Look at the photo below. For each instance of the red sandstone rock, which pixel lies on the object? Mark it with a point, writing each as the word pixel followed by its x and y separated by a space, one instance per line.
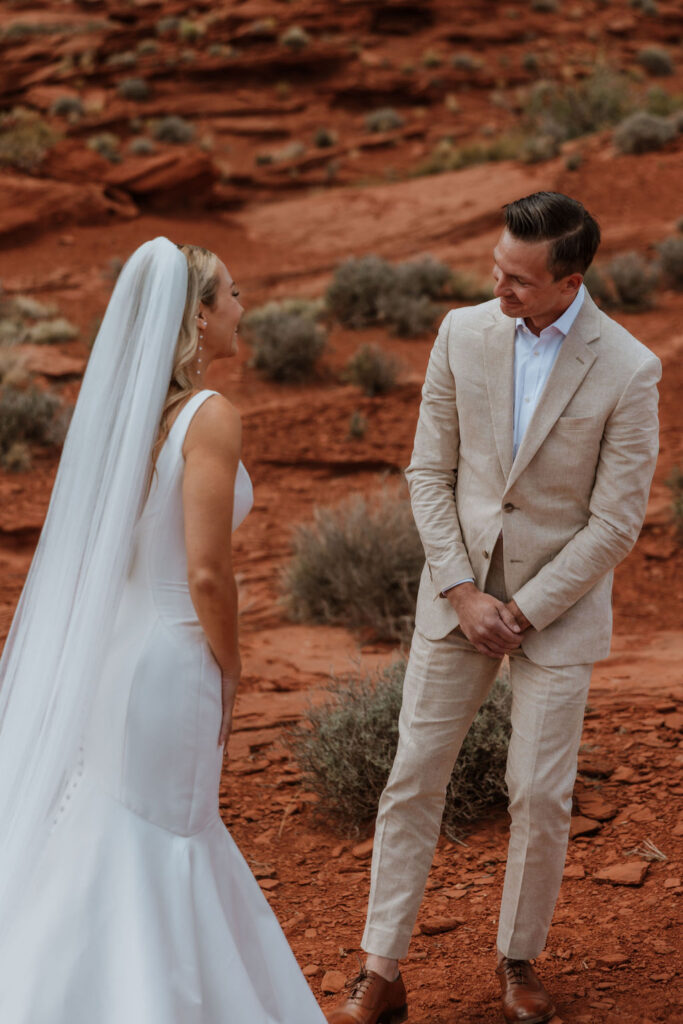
pixel 363 850
pixel 631 872
pixel 592 805
pixel 581 826
pixel 333 982
pixel 439 925
pixel 31 203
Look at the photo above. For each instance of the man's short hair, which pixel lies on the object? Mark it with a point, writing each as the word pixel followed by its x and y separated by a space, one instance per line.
pixel 564 222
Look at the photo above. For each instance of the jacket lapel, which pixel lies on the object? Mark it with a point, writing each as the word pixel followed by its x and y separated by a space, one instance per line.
pixel 571 366
pixel 499 362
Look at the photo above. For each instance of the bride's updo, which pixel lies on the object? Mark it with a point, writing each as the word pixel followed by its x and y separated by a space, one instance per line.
pixel 202 284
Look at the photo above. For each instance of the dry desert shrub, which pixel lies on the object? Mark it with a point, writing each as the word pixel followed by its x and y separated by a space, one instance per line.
pixel 357 565
pixel 656 60
pixel 643 132
pixel 634 280
pixel 173 129
pixel 133 89
pixel 369 290
pixel 107 145
pixel 51 332
pixel 24 139
pixel 385 119
pixel 295 38
pixel 372 370
pixel 31 415
pixel 627 282
pixel 671 256
pixel 345 749
pixel 674 482
pixel 285 340
pixel 65 106
pixel 567 111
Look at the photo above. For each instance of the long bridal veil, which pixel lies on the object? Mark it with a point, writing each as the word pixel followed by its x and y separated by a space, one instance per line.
pixel 54 651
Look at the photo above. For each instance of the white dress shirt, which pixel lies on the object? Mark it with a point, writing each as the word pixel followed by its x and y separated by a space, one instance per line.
pixel 535 357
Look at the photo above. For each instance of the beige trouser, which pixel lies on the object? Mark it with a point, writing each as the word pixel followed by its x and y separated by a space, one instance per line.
pixel 445 684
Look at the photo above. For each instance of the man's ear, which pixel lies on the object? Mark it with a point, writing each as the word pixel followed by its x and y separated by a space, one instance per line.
pixel 572 283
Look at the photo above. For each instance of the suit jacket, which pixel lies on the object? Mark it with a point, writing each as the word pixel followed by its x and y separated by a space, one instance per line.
pixel 571 504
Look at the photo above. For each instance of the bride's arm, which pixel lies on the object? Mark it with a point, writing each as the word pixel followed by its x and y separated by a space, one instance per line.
pixel 212 450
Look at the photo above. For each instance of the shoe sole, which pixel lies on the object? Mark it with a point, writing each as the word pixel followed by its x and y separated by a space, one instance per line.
pixel 538 1020
pixel 394 1016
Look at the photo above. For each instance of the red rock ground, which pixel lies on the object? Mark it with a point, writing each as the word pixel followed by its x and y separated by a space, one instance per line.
pixel 614 949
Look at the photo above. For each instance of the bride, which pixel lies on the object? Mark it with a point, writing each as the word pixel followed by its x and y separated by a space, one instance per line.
pixel 123 898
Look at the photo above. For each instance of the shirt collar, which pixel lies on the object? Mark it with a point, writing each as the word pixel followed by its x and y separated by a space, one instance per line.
pixel 565 321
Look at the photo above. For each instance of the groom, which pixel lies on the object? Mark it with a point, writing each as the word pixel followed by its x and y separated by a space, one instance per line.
pixel 533 457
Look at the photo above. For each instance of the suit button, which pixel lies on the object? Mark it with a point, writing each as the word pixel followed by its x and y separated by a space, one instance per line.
pixel 508 507
pixel 485 554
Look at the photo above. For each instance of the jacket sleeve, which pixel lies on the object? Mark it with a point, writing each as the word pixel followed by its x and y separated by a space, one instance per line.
pixel 432 473
pixel 618 503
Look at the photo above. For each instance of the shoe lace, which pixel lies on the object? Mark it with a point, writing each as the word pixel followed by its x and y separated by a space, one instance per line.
pixel 515 970
pixel 359 986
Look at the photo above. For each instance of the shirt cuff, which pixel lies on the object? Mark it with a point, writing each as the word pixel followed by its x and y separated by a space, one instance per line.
pixel 451 586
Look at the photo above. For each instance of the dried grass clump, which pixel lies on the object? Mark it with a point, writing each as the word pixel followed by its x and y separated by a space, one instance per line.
pixel 31 416
pixel 371 369
pixel 107 145
pixel 51 332
pixel 345 749
pixel 286 343
pixel 67 106
pixel 357 565
pixel 643 133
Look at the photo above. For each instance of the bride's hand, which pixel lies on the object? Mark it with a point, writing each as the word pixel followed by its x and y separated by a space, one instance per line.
pixel 230 677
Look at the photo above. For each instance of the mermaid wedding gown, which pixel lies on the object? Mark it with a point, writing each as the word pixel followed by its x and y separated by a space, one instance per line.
pixel 144 911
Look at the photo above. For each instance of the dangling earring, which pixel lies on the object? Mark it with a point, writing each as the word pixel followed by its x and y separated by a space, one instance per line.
pixel 202 324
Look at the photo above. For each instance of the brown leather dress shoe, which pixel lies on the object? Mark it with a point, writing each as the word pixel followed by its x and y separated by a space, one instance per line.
pixel 373 1000
pixel 524 998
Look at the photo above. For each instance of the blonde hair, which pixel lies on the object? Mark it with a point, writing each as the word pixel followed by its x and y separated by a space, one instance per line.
pixel 202 286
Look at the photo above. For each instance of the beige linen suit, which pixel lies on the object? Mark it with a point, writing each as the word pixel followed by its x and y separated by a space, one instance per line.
pixel 547 529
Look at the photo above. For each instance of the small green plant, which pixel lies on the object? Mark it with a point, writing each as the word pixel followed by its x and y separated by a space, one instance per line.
pixel 126 59
pixel 656 60
pixel 431 59
pixel 133 89
pixel 675 483
pixel 295 38
pixel 386 119
pixel 346 746
pixel 173 129
pixel 643 132
pixel 531 62
pixel 671 256
pixel 286 344
pixel 372 370
pixel 357 565
pixel 168 25
pixel 146 47
pixel 544 6
pixel 107 145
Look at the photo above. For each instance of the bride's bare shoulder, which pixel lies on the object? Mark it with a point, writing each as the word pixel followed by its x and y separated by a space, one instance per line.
pixel 216 424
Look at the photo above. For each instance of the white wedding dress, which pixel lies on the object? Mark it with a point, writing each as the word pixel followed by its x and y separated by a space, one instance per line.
pixel 143 910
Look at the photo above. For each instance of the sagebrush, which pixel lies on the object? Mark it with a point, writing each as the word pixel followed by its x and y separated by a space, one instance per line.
pixel 357 565
pixel 346 746
pixel 286 343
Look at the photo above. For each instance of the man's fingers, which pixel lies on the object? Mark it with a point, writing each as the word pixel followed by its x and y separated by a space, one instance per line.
pixel 508 618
